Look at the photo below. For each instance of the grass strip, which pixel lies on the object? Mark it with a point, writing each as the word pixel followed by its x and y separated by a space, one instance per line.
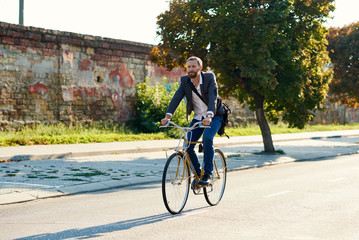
pixel 96 133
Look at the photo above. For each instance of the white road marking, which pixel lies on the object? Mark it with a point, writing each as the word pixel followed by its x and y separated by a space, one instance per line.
pixel 277 194
pixel 337 179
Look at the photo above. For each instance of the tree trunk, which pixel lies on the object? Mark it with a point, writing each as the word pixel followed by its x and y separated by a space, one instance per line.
pixel 263 124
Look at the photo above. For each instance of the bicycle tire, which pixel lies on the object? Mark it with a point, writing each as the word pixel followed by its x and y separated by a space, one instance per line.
pixel 175 183
pixel 214 193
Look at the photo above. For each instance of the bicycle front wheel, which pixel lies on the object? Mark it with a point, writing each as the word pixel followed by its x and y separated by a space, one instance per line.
pixel 214 192
pixel 175 183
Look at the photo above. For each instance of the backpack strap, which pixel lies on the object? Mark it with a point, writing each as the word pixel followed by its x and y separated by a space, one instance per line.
pixel 195 91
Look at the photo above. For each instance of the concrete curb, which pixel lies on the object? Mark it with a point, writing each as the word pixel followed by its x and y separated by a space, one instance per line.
pixel 290 160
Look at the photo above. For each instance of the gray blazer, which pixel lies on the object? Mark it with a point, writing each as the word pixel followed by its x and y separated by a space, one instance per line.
pixel 209 92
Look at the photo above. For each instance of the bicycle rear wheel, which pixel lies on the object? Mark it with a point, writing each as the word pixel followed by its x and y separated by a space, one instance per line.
pixel 214 192
pixel 175 183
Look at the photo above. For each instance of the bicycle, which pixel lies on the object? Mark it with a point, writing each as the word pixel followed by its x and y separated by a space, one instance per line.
pixel 176 178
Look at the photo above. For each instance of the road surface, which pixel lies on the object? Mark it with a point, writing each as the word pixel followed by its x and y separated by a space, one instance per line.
pixel 300 200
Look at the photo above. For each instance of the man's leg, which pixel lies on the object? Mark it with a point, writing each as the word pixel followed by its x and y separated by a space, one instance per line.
pixel 208 136
pixel 193 136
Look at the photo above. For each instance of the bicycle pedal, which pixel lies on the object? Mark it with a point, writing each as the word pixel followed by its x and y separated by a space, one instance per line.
pixel 197 191
pixel 205 185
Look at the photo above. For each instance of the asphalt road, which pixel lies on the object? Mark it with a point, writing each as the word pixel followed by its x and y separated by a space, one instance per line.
pixel 300 200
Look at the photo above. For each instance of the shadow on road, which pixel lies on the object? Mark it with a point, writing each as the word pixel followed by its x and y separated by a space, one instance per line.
pixel 96 231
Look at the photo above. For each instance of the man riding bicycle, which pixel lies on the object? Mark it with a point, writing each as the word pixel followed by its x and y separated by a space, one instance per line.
pixel 201 91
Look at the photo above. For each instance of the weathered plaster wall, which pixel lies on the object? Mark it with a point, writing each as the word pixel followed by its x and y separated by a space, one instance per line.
pixel 48 75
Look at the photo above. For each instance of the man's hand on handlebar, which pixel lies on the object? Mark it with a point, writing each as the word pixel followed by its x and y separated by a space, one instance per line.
pixel 165 120
pixel 207 121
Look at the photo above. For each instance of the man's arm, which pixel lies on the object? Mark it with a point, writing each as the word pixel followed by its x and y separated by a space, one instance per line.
pixel 175 101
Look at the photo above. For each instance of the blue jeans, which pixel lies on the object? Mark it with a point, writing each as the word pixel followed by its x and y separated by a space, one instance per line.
pixel 207 139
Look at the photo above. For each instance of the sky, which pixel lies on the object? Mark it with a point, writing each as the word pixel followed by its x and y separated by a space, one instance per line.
pixel 131 20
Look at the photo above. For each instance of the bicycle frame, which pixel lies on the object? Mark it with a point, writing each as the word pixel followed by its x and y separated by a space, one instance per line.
pixel 183 150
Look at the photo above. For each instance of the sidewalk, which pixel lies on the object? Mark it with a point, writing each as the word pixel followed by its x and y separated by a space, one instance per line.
pixel 41 171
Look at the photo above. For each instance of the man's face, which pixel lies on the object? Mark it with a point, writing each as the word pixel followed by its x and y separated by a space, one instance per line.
pixel 193 68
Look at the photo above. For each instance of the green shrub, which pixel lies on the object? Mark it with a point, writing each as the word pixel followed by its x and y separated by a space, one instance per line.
pixel 152 103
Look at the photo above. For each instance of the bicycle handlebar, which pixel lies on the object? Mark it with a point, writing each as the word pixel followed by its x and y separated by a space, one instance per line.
pixel 197 124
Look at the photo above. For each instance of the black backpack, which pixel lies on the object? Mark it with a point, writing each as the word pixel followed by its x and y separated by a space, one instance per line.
pixel 227 112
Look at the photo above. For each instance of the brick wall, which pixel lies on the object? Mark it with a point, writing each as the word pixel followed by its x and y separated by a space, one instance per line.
pixel 48 75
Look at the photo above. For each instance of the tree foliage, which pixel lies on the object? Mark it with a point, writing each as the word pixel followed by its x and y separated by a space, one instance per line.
pixel 268 53
pixel 344 53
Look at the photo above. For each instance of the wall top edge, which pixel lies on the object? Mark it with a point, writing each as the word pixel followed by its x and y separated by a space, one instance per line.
pixel 4 26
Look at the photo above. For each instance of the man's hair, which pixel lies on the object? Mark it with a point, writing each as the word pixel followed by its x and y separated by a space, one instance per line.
pixel 194 58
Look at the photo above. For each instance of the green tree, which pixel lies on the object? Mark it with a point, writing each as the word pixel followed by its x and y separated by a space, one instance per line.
pixel 344 53
pixel 268 53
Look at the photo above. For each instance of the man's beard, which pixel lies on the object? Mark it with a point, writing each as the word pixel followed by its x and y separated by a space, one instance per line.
pixel 193 74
